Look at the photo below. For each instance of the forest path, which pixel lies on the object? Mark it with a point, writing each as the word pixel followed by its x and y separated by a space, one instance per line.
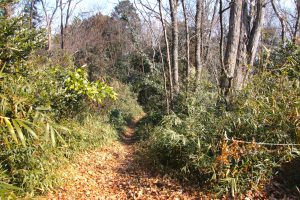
pixel 113 172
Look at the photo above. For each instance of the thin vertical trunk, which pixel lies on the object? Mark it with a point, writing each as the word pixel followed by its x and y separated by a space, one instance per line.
pixel 49 20
pixel 61 26
pixel 174 10
pixel 256 31
pixel 221 47
pixel 49 37
pixel 165 80
pixel 233 37
pixel 281 20
pixel 68 14
pixel 167 49
pixel 297 21
pixel 210 32
pixel 187 41
pixel 198 41
pixel 242 65
pixel 31 14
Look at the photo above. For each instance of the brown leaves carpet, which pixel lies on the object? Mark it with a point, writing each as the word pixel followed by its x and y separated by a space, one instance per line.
pixel 114 173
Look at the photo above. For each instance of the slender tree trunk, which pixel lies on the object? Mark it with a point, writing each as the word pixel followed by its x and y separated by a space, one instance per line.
pixel 187 41
pixel 256 31
pixel 167 49
pixel 68 14
pixel 210 32
pixel 165 80
pixel 61 26
pixel 31 14
pixel 242 65
pixel 221 44
pixel 198 41
pixel 174 10
pixel 49 37
pixel 49 20
pixel 281 20
pixel 297 21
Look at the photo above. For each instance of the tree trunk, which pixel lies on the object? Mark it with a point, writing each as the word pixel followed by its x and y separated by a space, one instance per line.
pixel 242 65
pixel 49 37
pixel 256 31
pixel 207 51
pixel 187 40
pixel 167 49
pixel 231 48
pixel 31 14
pixel 297 21
pixel 165 79
pixel 174 10
pixel 198 41
pixel 61 26
pixel 281 20
pixel 68 14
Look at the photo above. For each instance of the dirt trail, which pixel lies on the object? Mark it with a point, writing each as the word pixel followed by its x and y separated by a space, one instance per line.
pixel 113 173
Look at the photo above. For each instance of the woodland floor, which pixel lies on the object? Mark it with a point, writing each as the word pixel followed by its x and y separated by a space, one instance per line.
pixel 114 172
pixel 118 172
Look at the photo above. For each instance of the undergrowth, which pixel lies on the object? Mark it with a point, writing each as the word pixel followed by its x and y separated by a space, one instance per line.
pixel 50 112
pixel 195 142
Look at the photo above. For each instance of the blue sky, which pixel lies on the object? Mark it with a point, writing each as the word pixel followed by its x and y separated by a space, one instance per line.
pixel 87 8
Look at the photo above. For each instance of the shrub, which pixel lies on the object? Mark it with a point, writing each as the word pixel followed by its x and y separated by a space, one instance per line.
pixel 192 142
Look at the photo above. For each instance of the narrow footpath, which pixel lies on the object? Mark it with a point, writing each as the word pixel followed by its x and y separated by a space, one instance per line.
pixel 114 172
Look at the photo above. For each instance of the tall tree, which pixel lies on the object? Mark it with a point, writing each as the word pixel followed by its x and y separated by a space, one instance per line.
pixel 31 12
pixel 281 20
pixel 174 20
pixel 297 2
pixel 49 14
pixel 227 73
pixel 61 24
pixel 187 40
pixel 166 40
pixel 198 40
pixel 256 31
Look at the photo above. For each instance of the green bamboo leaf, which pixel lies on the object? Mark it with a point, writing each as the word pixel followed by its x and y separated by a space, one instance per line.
pixel 11 129
pixel 19 131
pixel 28 128
pixel 8 186
pixel 52 134
pixel 47 133
pixel 60 137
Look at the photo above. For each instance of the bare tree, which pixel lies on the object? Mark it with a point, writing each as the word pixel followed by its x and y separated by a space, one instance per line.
pixel 49 19
pixel 70 10
pixel 256 31
pixel 174 12
pixel 231 47
pixel 61 24
pixel 198 40
pixel 297 2
pixel 281 20
pixel 187 40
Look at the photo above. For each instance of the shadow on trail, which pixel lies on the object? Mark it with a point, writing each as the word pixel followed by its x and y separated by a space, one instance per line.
pixel 139 180
pixel 128 135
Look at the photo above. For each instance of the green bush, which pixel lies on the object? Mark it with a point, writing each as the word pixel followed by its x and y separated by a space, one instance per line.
pixel 47 113
pixel 191 143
